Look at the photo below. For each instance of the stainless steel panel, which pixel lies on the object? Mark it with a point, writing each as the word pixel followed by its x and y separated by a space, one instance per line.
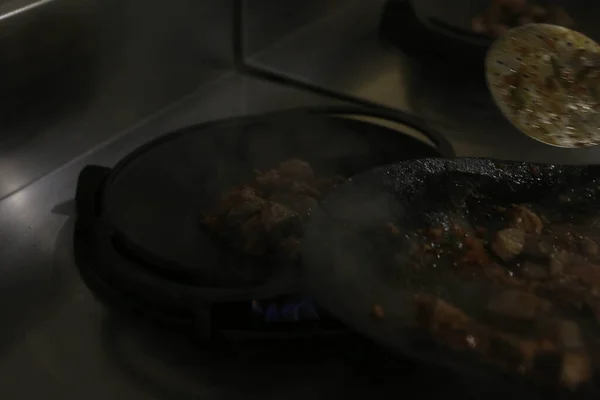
pixel 342 53
pixel 145 56
pixel 38 37
pixel 267 21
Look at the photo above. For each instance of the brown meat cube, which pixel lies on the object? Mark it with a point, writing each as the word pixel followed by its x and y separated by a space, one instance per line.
pixel 448 324
pixel 241 200
pixel 498 274
pixel 558 259
pixel 588 274
pixel 576 369
pixel 246 208
pixel 569 335
pixel 518 305
pixel 527 220
pixel 447 315
pixel 534 271
pixel 306 204
pixel 433 312
pixel 537 246
pixel 302 204
pixel 589 247
pixel 508 243
pixel 274 215
pixel 297 169
pixel 564 333
pixel 272 179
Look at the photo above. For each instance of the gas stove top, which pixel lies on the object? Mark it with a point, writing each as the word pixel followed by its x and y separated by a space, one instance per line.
pixel 139 247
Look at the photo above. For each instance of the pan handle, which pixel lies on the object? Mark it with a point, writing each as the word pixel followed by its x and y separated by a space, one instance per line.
pixel 442 144
pixel 89 183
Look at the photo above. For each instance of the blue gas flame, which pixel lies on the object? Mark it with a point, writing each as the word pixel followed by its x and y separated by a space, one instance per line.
pixel 289 310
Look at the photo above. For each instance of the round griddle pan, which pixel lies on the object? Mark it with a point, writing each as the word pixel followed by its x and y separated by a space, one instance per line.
pixel 153 198
pixel 340 275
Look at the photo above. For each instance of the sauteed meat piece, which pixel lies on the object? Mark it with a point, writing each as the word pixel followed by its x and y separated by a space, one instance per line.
pixel 518 305
pixel 508 243
pixel 298 170
pixel 265 216
pixel 525 219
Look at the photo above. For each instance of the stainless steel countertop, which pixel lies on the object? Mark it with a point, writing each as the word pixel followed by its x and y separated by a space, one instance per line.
pixel 341 53
pixel 129 64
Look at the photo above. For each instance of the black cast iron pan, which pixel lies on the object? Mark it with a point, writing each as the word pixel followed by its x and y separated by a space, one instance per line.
pixel 152 199
pixel 340 273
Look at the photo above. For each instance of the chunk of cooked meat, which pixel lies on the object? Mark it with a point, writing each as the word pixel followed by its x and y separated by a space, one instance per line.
pixel 589 247
pixel 566 334
pixel 569 335
pixel 558 259
pixel 297 169
pixel 525 219
pixel 538 247
pixel 534 271
pixel 302 204
pixel 475 252
pixel 272 180
pixel 519 305
pixel 508 243
pixel 576 369
pixel 587 274
pixel 434 312
pixel 243 201
pixel 276 216
pixel 448 324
